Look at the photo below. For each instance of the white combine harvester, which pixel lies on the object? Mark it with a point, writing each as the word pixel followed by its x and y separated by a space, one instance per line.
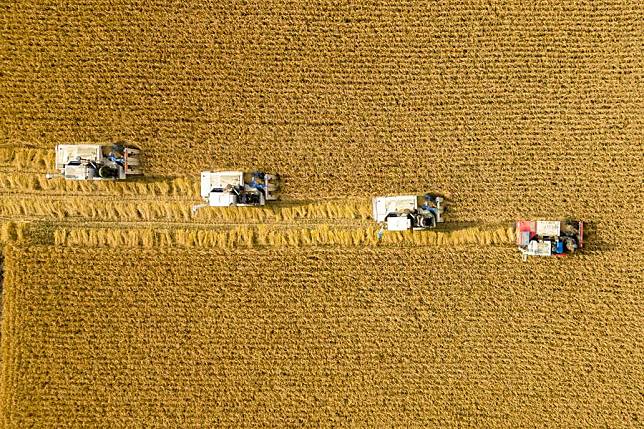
pixel 549 237
pixel 403 212
pixel 237 188
pixel 96 162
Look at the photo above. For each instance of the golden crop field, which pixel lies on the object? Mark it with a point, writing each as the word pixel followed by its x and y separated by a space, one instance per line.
pixel 347 336
pixel 123 308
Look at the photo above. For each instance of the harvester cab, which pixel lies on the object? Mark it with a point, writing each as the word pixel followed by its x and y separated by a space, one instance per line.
pixel 405 212
pixel 549 238
pixel 237 188
pixel 96 162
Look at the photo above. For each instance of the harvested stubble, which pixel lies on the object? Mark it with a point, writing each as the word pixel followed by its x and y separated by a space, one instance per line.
pixel 32 159
pixel 12 231
pixel 347 208
pixel 107 208
pixel 342 336
pixel 17 182
pixel 250 236
pixel 92 208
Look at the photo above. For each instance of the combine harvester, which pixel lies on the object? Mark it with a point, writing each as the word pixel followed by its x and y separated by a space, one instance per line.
pixel 403 212
pixel 549 238
pixel 96 162
pixel 237 188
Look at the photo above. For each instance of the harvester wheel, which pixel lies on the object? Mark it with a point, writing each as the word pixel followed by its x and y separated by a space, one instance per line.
pixel 427 221
pixel 570 244
pixel 105 172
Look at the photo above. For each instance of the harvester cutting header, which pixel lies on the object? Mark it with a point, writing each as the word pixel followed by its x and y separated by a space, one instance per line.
pixel 237 188
pixel 96 162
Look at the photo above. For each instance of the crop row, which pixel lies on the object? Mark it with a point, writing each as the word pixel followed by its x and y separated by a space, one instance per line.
pixel 24 158
pixel 380 335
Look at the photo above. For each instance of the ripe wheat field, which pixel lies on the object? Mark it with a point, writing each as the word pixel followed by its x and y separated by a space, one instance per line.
pixel 121 308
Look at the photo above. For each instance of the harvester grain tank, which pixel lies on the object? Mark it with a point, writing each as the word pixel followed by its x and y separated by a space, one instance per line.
pixel 96 162
pixel 408 212
pixel 237 188
pixel 549 237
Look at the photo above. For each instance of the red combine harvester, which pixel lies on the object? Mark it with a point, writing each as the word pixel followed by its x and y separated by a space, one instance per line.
pixel 549 238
